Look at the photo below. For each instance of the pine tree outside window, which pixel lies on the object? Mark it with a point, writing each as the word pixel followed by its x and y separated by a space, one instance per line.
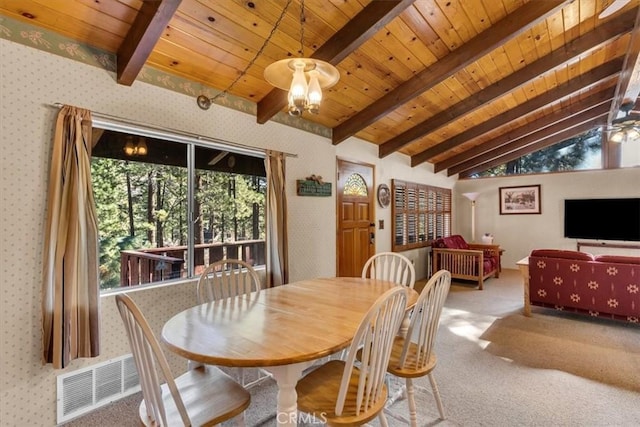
pixel 168 209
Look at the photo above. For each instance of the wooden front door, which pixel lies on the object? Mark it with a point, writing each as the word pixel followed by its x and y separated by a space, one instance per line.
pixel 355 217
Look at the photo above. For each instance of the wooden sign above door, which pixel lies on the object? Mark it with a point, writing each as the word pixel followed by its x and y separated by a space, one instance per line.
pixel 307 187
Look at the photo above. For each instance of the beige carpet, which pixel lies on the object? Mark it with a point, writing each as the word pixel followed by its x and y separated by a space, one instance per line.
pixel 499 368
pixel 588 351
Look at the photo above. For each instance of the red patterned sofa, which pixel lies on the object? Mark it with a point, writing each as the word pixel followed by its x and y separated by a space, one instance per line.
pixel 605 286
pixel 462 259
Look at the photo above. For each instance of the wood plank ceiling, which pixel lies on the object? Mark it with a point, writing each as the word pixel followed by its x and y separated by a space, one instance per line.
pixel 463 84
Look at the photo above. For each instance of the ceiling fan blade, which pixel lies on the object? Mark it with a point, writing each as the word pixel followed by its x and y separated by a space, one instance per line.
pixel 615 6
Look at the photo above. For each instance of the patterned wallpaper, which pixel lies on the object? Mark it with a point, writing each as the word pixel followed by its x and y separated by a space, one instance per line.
pixel 32 80
pixel 49 41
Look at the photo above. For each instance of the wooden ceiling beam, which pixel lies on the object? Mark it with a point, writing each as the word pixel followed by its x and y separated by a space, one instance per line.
pixel 582 82
pixel 530 132
pixel 350 37
pixel 579 46
pixel 629 84
pixel 506 29
pixel 152 19
pixel 560 131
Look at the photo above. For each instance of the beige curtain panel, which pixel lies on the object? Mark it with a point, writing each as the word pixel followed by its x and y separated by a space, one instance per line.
pixel 277 246
pixel 70 291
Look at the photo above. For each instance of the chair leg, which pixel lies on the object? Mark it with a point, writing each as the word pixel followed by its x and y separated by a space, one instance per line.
pixel 399 394
pixel 240 373
pixel 261 376
pixel 436 394
pixel 239 420
pixel 383 419
pixel 413 416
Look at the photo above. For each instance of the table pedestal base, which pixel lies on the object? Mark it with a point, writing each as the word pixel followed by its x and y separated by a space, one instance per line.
pixel 287 377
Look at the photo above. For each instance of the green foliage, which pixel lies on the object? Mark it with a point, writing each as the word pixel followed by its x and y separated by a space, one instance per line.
pixel 142 205
pixel 564 156
pixel 110 248
pixel 109 192
pixel 227 205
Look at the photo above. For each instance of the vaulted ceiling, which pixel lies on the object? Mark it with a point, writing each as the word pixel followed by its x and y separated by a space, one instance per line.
pixel 463 84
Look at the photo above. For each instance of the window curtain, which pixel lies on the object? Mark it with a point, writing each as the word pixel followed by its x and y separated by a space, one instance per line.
pixel 277 247
pixel 70 291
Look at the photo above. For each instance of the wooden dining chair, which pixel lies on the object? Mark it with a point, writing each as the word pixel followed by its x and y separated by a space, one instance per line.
pixel 229 278
pixel 390 266
pixel 393 267
pixel 226 278
pixel 343 393
pixel 414 356
pixel 203 396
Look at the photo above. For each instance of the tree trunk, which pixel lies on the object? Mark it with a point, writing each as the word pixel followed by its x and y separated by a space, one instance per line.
pixel 198 231
pixel 160 186
pixel 150 195
pixel 132 229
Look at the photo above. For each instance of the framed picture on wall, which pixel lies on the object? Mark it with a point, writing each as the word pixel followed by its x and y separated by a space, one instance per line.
pixel 524 199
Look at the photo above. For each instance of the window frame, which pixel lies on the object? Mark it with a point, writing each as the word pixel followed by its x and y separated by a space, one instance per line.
pixel 191 141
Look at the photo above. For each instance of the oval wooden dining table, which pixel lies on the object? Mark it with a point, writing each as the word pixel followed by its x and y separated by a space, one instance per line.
pixel 282 329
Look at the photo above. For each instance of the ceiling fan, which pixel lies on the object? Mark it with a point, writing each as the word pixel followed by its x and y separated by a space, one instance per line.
pixel 625 128
pixel 612 7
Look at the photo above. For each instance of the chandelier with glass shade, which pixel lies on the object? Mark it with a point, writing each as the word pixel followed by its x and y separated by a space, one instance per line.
pixel 135 148
pixel 304 78
pixel 626 128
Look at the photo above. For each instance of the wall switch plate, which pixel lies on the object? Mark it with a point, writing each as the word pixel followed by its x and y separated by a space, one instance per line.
pixel 381 224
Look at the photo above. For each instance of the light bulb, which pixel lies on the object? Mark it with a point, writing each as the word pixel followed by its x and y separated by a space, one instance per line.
pixel 298 90
pixel 293 109
pixel 315 92
pixel 129 149
pixel 141 149
pixel 617 136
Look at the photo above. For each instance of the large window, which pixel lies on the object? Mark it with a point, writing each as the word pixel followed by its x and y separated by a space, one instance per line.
pixel 583 152
pixel 167 209
pixel 420 214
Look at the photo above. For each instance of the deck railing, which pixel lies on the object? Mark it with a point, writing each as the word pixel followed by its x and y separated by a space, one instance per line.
pixel 148 265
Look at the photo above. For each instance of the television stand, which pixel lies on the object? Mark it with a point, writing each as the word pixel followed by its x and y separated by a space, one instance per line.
pixel 608 245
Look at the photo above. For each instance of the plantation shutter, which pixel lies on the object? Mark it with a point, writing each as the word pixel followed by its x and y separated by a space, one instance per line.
pixel 420 214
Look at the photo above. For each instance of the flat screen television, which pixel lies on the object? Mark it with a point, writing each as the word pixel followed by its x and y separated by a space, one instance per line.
pixel 602 219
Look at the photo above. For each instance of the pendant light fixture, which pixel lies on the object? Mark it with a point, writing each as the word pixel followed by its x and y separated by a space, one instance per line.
pixel 626 128
pixel 138 148
pixel 204 102
pixel 304 78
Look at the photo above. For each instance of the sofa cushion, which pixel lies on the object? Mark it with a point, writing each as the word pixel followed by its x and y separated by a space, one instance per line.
pixel 618 259
pixel 563 254
pixel 455 241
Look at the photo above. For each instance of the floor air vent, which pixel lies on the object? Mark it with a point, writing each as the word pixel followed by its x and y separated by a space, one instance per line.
pixel 86 389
